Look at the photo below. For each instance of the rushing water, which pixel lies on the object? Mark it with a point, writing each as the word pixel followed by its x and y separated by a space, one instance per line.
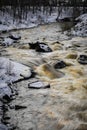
pixel 64 105
pixel 44 32
pixel 49 32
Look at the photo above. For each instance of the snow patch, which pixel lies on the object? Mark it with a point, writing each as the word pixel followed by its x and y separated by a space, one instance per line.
pixel 7 42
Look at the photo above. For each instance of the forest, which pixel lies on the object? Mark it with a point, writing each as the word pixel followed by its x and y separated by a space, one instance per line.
pixel 20 8
pixel 43 3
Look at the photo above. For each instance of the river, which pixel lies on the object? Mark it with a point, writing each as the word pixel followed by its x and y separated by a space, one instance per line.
pixel 63 106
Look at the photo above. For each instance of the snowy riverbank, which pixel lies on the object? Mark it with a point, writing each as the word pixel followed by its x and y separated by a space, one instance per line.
pixel 7 21
pixel 33 19
pixel 80 28
pixel 39 17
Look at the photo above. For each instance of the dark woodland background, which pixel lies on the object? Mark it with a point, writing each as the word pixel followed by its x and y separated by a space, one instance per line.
pixel 21 7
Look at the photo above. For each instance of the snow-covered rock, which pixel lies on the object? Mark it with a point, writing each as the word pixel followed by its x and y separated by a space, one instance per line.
pixel 12 71
pixel 7 42
pixel 10 39
pixel 80 29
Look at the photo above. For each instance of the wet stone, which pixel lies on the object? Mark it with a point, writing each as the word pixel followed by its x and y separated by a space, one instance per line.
pixel 7 98
pixel 40 47
pixel 18 107
pixel 82 59
pixel 59 65
pixel 38 85
pixel 6 118
pixel 15 37
pixel 5 92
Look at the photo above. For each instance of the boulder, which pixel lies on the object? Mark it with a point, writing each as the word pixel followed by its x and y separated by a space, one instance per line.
pixel 11 72
pixel 38 85
pixel 82 59
pixel 59 64
pixel 71 56
pixel 40 47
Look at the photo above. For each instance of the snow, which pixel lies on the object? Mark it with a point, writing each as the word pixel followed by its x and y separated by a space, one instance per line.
pixel 80 28
pixel 7 41
pixel 10 71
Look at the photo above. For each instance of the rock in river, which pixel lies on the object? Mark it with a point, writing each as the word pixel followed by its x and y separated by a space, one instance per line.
pixel 40 47
pixel 18 107
pixel 59 64
pixel 82 59
pixel 38 85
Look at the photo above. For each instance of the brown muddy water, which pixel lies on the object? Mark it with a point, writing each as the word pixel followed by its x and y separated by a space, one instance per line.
pixel 63 106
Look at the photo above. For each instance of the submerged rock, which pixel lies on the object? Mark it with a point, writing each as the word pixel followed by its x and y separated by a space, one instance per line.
pixel 40 47
pixel 38 85
pixel 82 59
pixel 71 56
pixel 48 71
pixel 59 64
